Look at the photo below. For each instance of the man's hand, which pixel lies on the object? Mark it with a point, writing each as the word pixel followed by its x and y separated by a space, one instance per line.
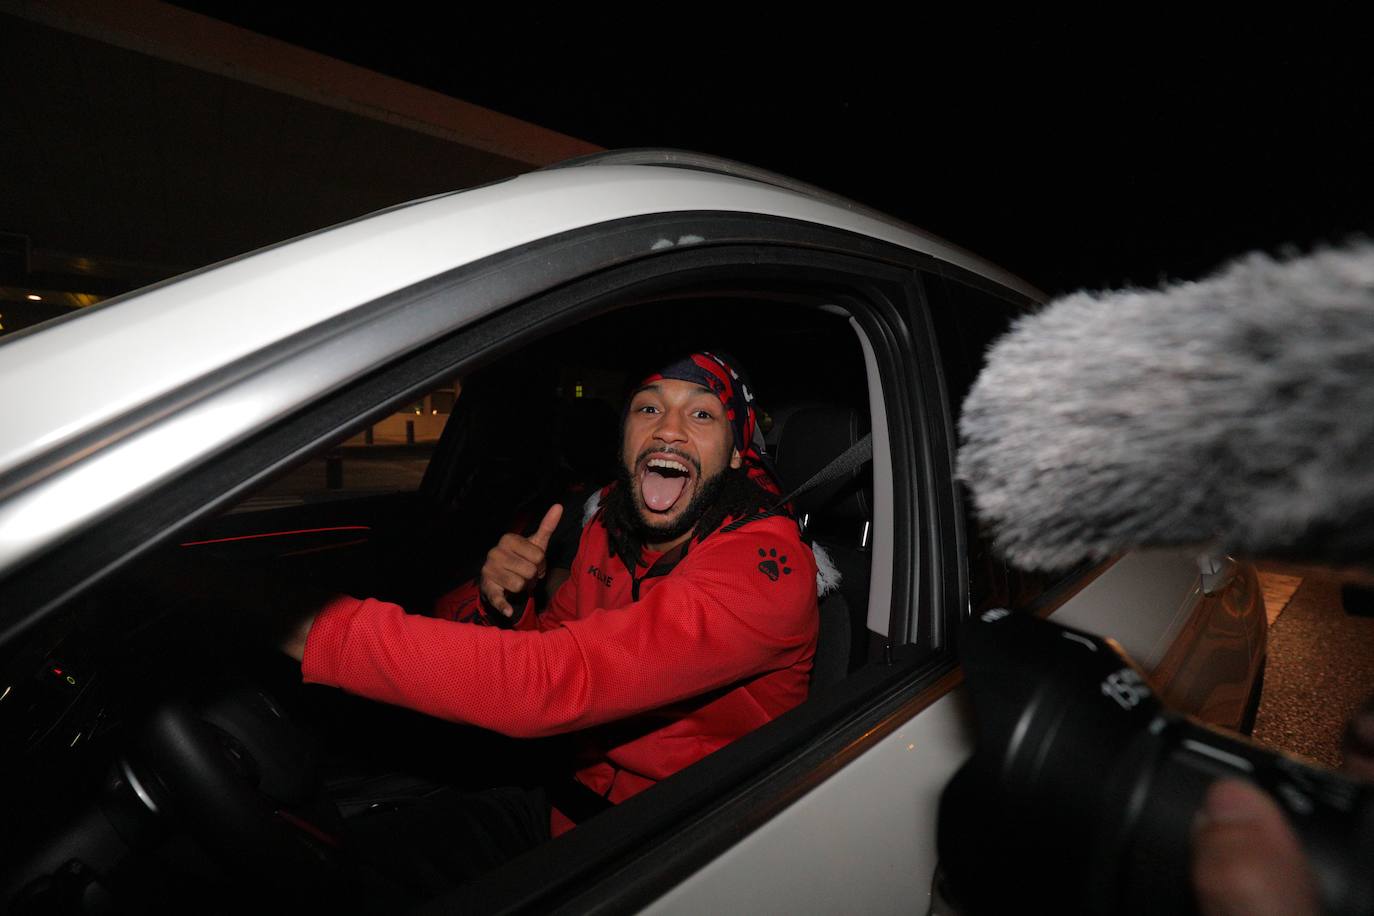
pixel 293 643
pixel 516 562
pixel 1246 858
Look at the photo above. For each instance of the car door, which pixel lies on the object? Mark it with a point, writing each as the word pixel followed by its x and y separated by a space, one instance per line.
pixel 860 285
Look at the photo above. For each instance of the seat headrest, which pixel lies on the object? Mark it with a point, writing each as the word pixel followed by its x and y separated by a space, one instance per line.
pixel 811 437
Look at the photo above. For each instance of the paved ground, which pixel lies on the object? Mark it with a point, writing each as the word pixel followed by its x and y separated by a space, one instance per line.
pixel 1321 668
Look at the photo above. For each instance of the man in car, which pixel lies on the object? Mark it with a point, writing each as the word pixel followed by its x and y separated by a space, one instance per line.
pixel 689 619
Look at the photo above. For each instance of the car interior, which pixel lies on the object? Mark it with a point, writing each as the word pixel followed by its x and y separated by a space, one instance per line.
pixel 112 804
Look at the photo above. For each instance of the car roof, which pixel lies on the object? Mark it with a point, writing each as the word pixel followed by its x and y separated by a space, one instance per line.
pixel 83 372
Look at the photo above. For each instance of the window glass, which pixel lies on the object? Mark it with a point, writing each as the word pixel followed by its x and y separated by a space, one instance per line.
pixel 390 456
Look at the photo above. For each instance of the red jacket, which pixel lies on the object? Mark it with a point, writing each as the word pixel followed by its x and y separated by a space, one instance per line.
pixel 698 657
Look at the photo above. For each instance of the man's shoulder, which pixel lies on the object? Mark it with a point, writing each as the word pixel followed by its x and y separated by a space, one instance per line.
pixel 765 564
pixel 771 524
pixel 773 542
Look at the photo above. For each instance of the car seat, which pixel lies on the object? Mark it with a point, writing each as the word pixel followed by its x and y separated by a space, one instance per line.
pixel 837 518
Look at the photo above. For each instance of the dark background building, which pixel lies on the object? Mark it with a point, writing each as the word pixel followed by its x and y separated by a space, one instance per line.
pixel 141 139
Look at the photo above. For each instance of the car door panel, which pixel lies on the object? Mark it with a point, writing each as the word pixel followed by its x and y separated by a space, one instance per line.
pixel 867 834
pixel 863 841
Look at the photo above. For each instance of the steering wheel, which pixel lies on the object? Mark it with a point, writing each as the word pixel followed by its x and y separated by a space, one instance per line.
pixel 244 781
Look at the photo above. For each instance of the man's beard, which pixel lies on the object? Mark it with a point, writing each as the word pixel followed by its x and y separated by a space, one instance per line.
pixel 730 494
pixel 651 531
pixel 628 529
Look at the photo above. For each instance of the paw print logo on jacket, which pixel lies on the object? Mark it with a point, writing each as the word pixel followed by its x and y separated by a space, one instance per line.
pixel 773 565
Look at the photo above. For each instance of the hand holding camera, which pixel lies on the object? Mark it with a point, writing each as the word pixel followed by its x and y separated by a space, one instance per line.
pixel 1085 790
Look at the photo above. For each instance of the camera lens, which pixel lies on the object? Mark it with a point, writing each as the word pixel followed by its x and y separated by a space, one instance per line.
pixel 1083 788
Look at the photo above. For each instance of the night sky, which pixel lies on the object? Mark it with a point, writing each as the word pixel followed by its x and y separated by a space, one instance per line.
pixel 1154 150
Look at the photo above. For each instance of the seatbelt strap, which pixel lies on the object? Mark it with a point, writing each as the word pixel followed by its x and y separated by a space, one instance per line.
pixel 842 465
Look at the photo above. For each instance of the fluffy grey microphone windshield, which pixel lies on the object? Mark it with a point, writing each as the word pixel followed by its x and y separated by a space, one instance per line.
pixel 1235 411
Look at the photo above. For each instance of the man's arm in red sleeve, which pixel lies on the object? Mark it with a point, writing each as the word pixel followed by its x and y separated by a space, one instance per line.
pixel 719 618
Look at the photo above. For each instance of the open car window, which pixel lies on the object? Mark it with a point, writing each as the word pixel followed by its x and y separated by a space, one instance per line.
pixel 533 417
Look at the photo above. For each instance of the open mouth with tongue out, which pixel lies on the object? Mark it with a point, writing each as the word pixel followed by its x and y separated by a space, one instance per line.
pixel 663 479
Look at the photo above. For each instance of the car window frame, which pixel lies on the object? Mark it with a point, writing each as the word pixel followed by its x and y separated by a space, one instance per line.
pixel 801 750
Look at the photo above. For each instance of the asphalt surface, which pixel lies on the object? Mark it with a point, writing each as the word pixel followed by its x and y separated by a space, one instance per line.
pixel 1320 670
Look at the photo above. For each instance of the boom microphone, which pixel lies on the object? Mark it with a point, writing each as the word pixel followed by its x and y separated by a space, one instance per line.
pixel 1235 411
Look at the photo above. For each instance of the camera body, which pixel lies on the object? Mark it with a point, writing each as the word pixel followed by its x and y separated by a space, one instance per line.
pixel 1083 788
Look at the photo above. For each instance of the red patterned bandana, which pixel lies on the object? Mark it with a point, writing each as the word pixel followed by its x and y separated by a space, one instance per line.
pixel 719 374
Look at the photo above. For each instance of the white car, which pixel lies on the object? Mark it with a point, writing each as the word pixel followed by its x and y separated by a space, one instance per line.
pixel 375 403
